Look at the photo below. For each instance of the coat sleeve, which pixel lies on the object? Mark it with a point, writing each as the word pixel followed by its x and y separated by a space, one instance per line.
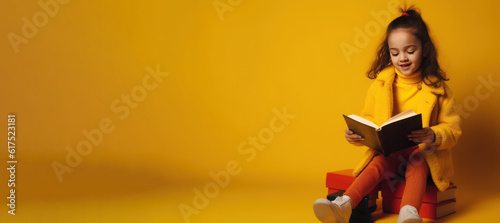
pixel 447 129
pixel 369 107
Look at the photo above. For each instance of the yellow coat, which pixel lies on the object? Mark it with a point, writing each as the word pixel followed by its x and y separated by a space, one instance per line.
pixel 437 106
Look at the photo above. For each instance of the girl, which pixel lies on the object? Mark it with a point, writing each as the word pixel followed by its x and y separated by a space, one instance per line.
pixel 407 76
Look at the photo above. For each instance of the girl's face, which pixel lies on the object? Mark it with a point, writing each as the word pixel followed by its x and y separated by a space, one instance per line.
pixel 406 51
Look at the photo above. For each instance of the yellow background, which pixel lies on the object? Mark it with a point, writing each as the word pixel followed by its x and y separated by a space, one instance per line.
pixel 226 76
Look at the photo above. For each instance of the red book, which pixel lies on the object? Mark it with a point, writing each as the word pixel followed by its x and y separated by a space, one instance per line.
pixel 339 180
pixel 342 179
pixel 395 189
pixel 427 210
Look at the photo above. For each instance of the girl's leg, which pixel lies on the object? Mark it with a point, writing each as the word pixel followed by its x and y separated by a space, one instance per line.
pixel 379 168
pixel 341 208
pixel 416 175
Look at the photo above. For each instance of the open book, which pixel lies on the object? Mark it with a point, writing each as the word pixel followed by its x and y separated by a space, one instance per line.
pixel 391 136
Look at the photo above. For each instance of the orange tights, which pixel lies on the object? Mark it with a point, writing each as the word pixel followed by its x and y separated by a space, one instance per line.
pixel 409 162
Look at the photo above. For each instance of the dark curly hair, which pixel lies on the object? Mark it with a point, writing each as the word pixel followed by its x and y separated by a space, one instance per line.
pixel 411 20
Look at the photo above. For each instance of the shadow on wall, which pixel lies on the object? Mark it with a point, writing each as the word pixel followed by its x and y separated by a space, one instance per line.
pixel 476 156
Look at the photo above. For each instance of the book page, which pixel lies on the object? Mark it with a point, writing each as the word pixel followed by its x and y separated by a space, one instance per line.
pixel 363 120
pixel 400 116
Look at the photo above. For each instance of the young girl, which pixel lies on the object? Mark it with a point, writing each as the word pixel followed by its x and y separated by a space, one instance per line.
pixel 407 76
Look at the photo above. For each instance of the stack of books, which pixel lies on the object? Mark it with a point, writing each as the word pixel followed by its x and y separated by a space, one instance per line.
pixel 436 204
pixel 337 183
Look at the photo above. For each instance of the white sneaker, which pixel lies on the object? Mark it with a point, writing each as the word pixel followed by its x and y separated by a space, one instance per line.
pixel 409 214
pixel 337 211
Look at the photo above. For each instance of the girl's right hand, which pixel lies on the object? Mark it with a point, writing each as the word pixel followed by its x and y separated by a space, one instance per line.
pixel 352 138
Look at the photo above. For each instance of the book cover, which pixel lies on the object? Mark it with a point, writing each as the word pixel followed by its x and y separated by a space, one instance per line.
pixel 396 188
pixel 427 210
pixel 391 136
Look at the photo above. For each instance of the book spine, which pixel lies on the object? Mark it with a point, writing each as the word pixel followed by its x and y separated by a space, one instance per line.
pixel 381 142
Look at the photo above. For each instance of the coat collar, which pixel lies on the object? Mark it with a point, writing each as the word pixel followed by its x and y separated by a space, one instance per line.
pixel 383 110
pixel 387 76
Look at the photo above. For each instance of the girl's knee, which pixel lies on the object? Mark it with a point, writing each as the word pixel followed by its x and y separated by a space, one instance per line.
pixel 417 158
pixel 382 166
pixel 379 162
pixel 417 163
pixel 378 158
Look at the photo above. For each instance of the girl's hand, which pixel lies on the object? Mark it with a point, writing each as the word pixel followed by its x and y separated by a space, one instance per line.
pixel 425 135
pixel 352 138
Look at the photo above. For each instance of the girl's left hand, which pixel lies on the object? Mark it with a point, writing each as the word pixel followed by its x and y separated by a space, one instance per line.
pixel 425 135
